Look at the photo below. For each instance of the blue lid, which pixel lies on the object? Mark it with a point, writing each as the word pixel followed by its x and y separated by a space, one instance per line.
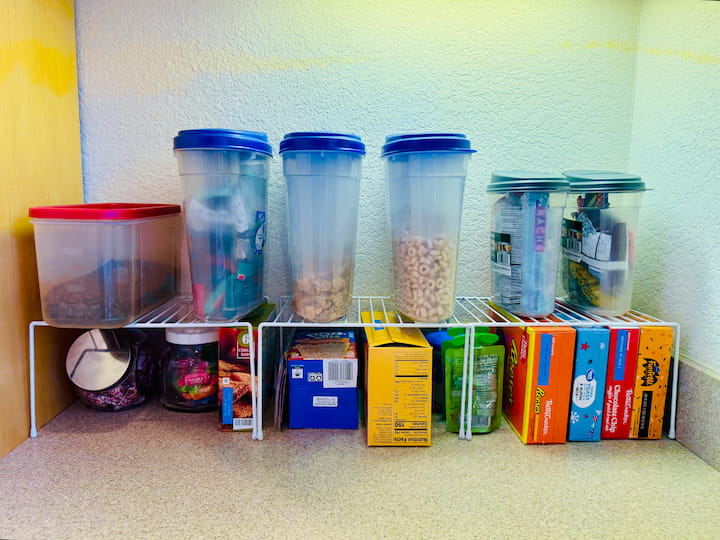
pixel 222 139
pixel 321 140
pixel 527 181
pixel 589 180
pixel 426 142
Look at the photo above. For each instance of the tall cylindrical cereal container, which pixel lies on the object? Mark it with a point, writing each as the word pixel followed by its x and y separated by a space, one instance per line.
pixel 224 175
pixel 426 175
pixel 322 173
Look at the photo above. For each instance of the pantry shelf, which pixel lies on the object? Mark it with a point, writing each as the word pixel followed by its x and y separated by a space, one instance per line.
pixel 470 312
pixel 176 313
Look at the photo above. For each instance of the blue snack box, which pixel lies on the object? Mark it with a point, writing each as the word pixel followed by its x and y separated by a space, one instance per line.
pixel 588 387
pixel 322 369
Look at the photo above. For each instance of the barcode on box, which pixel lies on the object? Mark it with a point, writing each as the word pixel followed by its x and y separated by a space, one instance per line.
pixel 339 373
pixel 242 424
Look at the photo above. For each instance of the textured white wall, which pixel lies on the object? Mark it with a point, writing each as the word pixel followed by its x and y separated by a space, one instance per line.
pixel 676 148
pixel 534 84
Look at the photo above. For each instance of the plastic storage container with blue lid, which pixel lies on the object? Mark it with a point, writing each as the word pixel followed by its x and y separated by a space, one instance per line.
pixel 224 174
pixel 322 172
pixel 426 175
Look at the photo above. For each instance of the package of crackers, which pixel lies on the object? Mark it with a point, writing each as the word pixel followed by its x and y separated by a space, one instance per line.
pixel 234 374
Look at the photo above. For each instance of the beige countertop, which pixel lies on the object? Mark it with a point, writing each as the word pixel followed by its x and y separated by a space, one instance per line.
pixel 152 473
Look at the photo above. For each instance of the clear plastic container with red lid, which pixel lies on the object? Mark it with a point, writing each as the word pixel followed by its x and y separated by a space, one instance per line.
pixel 104 265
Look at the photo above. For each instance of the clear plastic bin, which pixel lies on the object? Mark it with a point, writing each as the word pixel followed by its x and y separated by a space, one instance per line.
pixel 322 172
pixel 426 177
pixel 224 174
pixel 599 236
pixel 105 265
pixel 526 210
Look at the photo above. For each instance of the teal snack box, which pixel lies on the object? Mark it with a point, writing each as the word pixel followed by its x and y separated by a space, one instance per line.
pixel 486 413
pixel 588 387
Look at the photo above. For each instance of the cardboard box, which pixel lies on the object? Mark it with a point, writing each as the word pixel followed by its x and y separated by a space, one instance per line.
pixel 398 380
pixel 588 386
pixel 620 383
pixel 538 373
pixel 322 369
pixel 651 379
pixel 235 401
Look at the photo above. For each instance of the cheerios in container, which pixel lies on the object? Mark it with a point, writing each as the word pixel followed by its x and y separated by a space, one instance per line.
pixel 426 177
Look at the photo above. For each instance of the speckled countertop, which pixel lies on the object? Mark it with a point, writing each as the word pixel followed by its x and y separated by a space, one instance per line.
pixel 152 473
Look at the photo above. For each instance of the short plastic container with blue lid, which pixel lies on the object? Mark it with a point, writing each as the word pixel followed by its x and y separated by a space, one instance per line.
pixel 599 239
pixel 322 171
pixel 426 175
pixel 224 174
pixel 526 211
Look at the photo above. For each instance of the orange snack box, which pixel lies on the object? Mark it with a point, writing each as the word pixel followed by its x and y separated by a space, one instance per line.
pixel 654 361
pixel 537 380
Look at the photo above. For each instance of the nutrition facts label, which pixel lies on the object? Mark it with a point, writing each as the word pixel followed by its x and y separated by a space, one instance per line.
pixel 411 398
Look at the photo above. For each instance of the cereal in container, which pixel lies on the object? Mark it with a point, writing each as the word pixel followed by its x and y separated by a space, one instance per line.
pixel 426 177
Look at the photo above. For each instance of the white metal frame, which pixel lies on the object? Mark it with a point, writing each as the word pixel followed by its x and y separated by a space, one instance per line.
pixel 470 313
pixel 177 313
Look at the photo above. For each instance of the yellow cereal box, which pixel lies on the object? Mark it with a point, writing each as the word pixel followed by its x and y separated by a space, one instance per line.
pixel 651 379
pixel 398 381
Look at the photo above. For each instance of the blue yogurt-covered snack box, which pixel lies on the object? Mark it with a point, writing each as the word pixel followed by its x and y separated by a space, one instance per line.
pixel 588 387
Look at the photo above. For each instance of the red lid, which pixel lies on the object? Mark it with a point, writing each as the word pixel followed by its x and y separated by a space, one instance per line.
pixel 103 211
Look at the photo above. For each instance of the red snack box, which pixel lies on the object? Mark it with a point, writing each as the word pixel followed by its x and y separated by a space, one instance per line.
pixel 620 384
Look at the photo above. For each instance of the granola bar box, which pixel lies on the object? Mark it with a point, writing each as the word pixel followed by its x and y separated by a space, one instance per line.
pixel 104 265
pixel 537 380
pixel 235 379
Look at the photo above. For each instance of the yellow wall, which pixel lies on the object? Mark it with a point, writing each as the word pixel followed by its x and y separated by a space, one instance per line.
pixel 39 165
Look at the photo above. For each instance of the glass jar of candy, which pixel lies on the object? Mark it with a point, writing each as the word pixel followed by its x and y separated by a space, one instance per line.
pixel 189 369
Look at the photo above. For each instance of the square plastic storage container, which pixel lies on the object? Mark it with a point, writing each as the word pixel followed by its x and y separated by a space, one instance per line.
pixel 105 265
